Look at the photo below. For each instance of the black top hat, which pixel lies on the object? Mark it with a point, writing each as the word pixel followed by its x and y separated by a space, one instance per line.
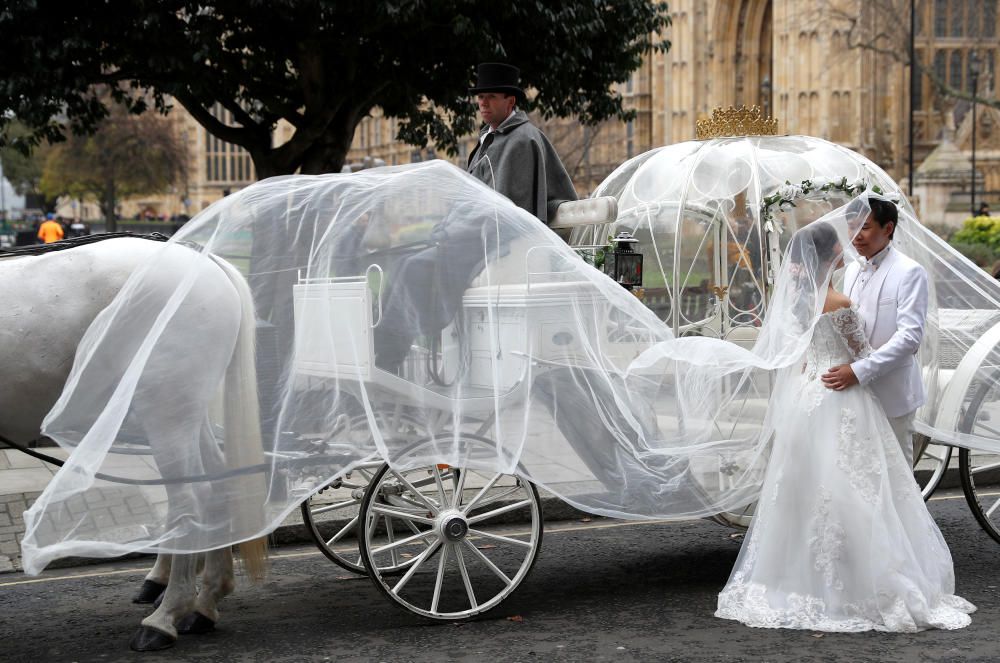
pixel 499 77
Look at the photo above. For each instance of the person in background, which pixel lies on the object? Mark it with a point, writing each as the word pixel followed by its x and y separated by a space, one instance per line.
pixel 50 231
pixel 78 228
pixel 984 209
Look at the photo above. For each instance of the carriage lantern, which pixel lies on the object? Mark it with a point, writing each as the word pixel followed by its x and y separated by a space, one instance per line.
pixel 623 264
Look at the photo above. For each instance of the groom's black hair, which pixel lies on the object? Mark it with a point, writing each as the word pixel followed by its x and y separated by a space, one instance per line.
pixel 884 212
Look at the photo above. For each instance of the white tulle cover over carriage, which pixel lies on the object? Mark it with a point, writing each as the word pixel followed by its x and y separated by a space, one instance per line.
pixel 427 354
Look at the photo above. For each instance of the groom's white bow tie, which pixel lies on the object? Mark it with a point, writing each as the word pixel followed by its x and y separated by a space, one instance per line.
pixel 869 265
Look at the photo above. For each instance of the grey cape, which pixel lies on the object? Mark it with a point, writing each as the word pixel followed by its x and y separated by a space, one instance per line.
pixel 525 167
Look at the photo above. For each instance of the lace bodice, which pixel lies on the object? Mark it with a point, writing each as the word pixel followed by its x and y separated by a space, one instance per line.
pixel 838 338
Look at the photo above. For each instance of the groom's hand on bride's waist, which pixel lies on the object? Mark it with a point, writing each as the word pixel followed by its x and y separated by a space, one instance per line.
pixel 840 377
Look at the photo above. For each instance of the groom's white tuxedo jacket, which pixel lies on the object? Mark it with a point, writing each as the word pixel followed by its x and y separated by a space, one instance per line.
pixel 892 300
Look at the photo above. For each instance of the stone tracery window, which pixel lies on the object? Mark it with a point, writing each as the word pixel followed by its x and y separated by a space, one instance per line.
pixel 956 18
pixel 847 128
pixel 941 18
pixel 226 162
pixel 939 65
pixel 835 132
pixel 918 85
pixel 961 18
pixel 955 70
pixel 803 112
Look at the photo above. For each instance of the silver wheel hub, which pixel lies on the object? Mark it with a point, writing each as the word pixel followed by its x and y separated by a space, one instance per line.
pixel 453 526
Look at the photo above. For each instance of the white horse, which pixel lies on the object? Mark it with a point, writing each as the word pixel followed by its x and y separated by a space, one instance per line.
pixel 46 304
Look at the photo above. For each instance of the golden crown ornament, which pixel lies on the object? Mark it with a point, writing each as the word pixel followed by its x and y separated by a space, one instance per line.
pixel 742 121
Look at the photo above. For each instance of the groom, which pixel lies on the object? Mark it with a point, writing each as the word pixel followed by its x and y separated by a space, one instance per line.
pixel 890 291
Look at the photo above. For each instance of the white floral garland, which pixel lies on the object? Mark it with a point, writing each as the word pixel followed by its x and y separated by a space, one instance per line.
pixel 787 193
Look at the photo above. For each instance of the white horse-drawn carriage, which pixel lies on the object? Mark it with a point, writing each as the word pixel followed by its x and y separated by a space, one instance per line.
pixel 438 354
pixel 712 220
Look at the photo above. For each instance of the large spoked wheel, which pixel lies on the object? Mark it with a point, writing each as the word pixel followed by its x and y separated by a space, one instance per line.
pixel 932 463
pixel 470 538
pixel 981 484
pixel 331 517
pixel 979 470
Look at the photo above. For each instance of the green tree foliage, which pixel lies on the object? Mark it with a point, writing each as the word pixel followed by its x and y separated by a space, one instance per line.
pixel 979 240
pixel 126 155
pixel 24 171
pixel 320 65
pixel 980 230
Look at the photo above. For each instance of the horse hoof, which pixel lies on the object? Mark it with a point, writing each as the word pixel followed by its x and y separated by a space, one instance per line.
pixel 148 638
pixel 195 624
pixel 159 600
pixel 149 592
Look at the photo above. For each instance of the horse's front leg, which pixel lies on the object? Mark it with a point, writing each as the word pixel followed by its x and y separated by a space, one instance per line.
pixel 155 582
pixel 217 582
pixel 159 630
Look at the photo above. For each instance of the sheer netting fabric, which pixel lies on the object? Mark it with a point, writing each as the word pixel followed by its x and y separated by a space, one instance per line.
pixel 960 352
pixel 407 314
pixel 676 198
pixel 308 324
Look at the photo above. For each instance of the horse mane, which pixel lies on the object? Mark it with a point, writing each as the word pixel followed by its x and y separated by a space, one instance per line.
pixel 74 242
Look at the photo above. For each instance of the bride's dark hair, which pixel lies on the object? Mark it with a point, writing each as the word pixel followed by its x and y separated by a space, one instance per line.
pixel 813 242
pixel 810 255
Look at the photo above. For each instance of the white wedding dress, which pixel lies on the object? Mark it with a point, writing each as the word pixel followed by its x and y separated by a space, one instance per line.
pixel 842 540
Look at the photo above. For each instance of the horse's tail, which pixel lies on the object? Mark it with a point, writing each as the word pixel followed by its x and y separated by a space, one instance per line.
pixel 244 446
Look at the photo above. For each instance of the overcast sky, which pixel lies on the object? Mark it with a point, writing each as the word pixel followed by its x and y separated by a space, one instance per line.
pixel 10 199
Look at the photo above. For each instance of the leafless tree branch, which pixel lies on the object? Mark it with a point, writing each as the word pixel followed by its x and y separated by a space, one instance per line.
pixel 895 45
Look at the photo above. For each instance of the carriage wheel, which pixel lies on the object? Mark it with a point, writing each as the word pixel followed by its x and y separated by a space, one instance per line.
pixel 981 484
pixel 462 562
pixel 980 471
pixel 938 456
pixel 331 516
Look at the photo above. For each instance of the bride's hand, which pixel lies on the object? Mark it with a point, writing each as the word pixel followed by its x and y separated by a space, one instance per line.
pixel 840 377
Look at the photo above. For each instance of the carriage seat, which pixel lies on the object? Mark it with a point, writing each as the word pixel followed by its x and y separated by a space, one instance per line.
pixel 335 317
pixel 586 212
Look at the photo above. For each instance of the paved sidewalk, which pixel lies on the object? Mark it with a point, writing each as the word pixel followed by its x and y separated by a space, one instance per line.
pixel 22 480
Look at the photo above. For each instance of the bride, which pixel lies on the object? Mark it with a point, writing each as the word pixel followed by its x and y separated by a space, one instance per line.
pixel 842 540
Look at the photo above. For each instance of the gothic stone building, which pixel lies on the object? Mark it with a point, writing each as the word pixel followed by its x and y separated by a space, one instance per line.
pixel 811 64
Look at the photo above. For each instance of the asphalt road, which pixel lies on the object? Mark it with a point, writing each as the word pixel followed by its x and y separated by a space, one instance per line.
pixel 601 591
